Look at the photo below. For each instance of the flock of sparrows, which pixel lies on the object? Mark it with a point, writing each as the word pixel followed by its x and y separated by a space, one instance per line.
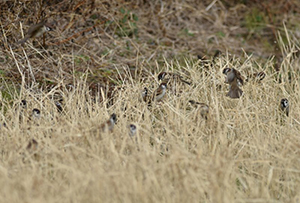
pixel 233 78
pixel 167 81
pixel 35 116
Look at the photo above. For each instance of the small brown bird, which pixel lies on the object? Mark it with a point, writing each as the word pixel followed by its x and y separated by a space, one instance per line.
pixel 59 106
pixel 216 55
pixel 166 77
pixel 233 76
pixel 36 114
pixel 284 106
pixel 145 94
pixel 204 108
pixel 132 130
pixel 240 78
pixel 32 146
pixel 32 149
pixel 109 125
pixel 3 125
pixel 160 92
pixel 257 77
pixel 36 31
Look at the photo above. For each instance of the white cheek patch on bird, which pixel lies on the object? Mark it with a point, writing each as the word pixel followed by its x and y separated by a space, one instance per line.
pixel 160 92
pixel 132 130
pixel 284 106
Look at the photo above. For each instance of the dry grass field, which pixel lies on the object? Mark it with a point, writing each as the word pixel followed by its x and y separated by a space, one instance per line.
pixel 97 61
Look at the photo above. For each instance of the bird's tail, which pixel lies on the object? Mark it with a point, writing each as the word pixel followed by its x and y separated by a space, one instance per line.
pixel 22 41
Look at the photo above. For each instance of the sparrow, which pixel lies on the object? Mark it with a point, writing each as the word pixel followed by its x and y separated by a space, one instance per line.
pixel 109 125
pixel 22 109
pixel 58 106
pixel 168 76
pixel 23 104
pixel 205 61
pixel 284 106
pixel 216 55
pixel 257 76
pixel 226 70
pixel 32 145
pixel 160 92
pixel 204 108
pixel 32 148
pixel 36 31
pixel 201 57
pixel 233 76
pixel 238 74
pixel 3 125
pixel 145 94
pixel 36 113
pixel 132 130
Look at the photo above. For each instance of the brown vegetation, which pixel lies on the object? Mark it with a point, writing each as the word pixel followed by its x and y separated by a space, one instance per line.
pixel 98 60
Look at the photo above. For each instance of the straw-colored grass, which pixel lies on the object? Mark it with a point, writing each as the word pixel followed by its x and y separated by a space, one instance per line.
pixel 246 151
pixel 97 61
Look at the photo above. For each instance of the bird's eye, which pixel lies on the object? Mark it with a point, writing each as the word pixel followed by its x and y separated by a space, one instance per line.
pixel 48 28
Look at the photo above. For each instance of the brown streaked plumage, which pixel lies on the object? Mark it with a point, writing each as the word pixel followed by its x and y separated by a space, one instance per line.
pixel 204 108
pixel 166 77
pixel 36 31
pixel 257 77
pixel 145 94
pixel 160 92
pixel 233 76
pixel 109 125
pixel 237 74
pixel 32 146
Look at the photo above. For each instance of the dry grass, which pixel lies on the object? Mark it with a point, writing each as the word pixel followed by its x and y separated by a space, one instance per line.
pixel 247 150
